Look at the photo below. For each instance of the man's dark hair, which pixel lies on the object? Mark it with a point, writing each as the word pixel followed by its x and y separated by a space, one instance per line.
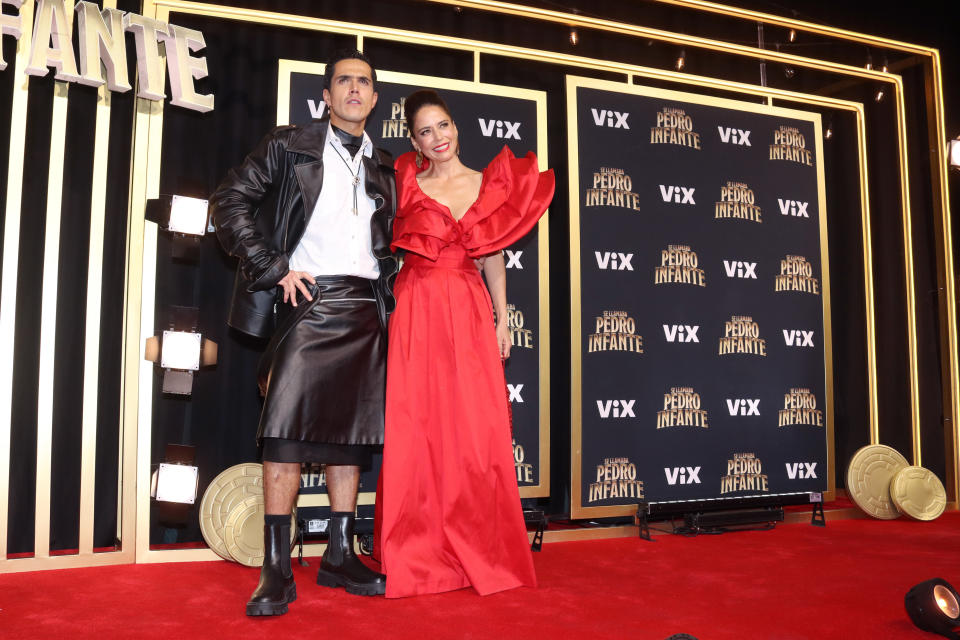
pixel 346 54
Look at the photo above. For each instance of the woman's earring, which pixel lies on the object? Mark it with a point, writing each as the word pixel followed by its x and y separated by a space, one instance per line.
pixel 419 159
pixel 458 148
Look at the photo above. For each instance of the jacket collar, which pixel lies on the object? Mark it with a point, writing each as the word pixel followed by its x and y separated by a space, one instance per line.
pixel 310 139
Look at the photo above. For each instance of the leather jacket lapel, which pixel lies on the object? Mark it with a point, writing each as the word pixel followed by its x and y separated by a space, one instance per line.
pixel 310 178
pixel 310 143
pixel 380 186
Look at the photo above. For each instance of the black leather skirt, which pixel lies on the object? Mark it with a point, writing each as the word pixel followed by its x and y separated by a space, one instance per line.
pixel 324 370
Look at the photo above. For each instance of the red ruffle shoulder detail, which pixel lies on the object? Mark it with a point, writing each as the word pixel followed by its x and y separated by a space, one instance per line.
pixel 513 195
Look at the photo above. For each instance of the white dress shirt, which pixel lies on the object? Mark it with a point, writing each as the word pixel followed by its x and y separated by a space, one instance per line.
pixel 337 240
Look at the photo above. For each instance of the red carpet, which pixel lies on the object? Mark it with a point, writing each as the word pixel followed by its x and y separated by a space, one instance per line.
pixel 845 581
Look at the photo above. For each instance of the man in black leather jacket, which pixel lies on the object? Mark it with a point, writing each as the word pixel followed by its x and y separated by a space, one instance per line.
pixel 309 214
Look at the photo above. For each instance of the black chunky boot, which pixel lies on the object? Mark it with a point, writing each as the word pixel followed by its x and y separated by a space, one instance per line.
pixel 340 567
pixel 276 588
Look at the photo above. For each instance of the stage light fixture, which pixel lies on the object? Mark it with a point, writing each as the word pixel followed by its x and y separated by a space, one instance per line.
pixel 879 96
pixel 828 133
pixel 953 152
pixel 188 215
pixel 934 606
pixel 179 214
pixel 177 483
pixel 574 37
pixel 180 350
pixel 682 60
pixel 869 65
pixel 793 35
pixel 789 72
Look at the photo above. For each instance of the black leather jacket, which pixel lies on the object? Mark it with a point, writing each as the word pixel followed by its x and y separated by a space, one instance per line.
pixel 261 210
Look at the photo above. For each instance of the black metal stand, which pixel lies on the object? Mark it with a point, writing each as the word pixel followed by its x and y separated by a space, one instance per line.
pixel 301 527
pixel 536 516
pixel 817 518
pixel 642 523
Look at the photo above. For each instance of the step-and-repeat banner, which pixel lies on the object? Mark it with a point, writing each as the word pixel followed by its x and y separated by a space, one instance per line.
pixel 700 299
pixel 488 117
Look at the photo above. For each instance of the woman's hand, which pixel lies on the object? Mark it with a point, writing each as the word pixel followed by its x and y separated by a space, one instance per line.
pixel 291 282
pixel 503 339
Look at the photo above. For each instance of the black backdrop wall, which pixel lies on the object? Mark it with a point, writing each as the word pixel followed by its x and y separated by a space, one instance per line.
pixel 199 148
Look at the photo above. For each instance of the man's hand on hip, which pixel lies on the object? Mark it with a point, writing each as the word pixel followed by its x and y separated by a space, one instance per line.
pixel 296 280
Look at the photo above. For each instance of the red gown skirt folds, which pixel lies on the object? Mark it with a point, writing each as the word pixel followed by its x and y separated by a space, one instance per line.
pixel 450 513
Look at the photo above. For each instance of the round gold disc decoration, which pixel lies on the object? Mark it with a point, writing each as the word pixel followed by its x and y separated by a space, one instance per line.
pixel 918 493
pixel 243 531
pixel 225 491
pixel 868 479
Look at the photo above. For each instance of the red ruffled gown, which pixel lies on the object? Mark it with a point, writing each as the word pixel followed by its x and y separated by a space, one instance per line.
pixel 450 509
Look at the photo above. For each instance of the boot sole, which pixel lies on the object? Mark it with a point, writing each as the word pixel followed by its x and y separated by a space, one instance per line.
pixel 326 579
pixel 272 608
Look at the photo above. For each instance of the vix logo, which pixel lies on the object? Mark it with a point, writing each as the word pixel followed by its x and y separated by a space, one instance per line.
pixel 801 470
pixel 798 338
pixel 616 408
pixel 316 108
pixel 680 195
pixel 515 390
pixel 793 208
pixel 499 129
pixel 612 119
pixel 681 332
pixel 734 136
pixel 740 269
pixel 614 261
pixel 682 475
pixel 513 259
pixel 743 406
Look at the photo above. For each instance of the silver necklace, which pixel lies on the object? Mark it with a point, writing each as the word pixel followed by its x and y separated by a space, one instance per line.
pixel 355 174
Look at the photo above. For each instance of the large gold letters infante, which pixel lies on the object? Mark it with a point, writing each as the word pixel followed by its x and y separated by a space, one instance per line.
pixel 102 52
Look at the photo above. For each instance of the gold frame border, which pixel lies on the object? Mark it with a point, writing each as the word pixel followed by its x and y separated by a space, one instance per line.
pixel 950 366
pixel 539 98
pixel 42 558
pixel 577 510
pixel 11 254
pixel 147 113
pixel 681 39
pixel 164 7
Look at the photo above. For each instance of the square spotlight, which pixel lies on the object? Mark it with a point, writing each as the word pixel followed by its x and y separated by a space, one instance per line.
pixel 188 216
pixel 180 350
pixel 953 153
pixel 177 483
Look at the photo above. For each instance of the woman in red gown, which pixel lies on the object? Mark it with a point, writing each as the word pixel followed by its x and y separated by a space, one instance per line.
pixel 451 514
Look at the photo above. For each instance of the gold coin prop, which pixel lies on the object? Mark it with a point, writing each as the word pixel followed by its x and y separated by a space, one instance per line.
pixel 232 486
pixel 918 493
pixel 228 492
pixel 243 531
pixel 868 479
